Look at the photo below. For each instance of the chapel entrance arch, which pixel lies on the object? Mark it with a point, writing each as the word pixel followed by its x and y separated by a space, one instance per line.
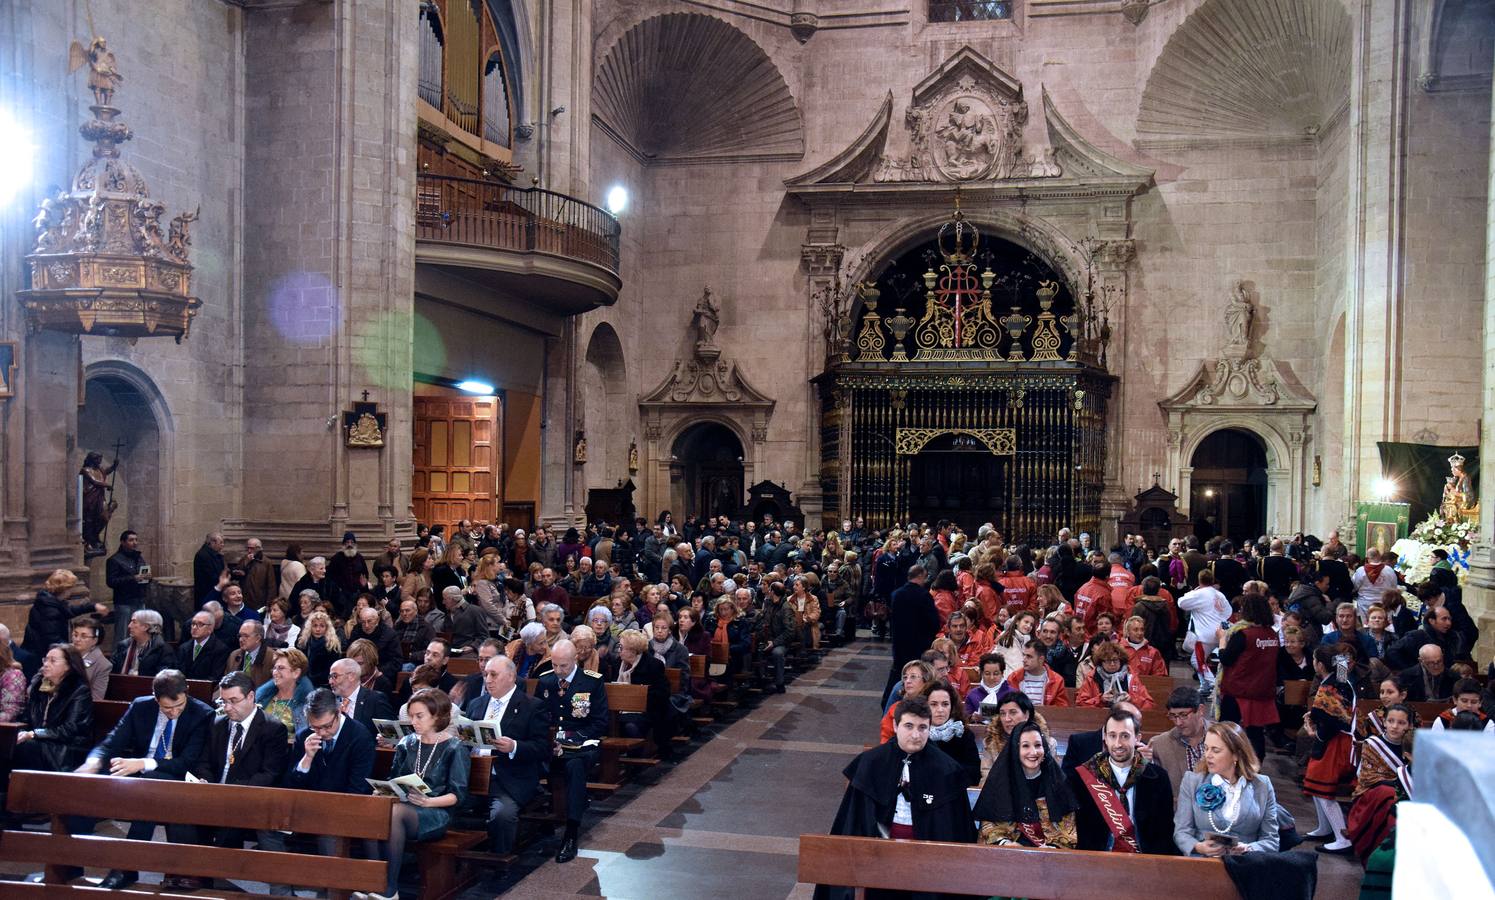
pixel 1229 486
pixel 123 408
pixel 707 474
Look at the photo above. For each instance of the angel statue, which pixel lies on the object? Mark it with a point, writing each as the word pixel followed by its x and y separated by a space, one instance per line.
pixel 180 237
pixel 103 78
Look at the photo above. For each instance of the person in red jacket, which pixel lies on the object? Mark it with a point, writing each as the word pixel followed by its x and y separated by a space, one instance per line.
pixel 1043 685
pixel 1145 658
pixel 1121 581
pixel 1018 590
pixel 986 594
pixel 1093 596
pixel 970 645
pixel 1248 672
pixel 1110 680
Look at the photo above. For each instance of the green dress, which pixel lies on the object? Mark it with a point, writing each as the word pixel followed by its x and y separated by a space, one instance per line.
pixel 444 769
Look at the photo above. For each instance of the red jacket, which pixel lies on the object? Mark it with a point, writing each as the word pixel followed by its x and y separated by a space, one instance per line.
pixel 1146 660
pixel 1019 592
pixel 1089 693
pixel 946 603
pixel 1248 663
pixel 1053 691
pixel 1121 581
pixel 1091 597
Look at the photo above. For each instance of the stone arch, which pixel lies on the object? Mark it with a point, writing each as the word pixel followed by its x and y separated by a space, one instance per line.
pixel 1283 507
pixel 685 86
pixel 605 403
pixel 1038 235
pixel 123 403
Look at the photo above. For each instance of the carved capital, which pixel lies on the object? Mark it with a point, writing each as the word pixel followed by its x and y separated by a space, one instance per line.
pixel 822 260
pixel 1135 11
pixel 803 25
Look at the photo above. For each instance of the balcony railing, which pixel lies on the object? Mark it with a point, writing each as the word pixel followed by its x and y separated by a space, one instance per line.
pixel 525 220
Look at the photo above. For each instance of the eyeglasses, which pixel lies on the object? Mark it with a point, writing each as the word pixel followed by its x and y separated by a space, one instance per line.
pixel 1180 716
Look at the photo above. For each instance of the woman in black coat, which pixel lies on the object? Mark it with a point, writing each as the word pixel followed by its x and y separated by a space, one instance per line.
pixel 948 731
pixel 636 665
pixel 57 723
pixel 51 612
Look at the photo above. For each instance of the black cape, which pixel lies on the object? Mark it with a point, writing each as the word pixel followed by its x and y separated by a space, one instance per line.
pixel 941 809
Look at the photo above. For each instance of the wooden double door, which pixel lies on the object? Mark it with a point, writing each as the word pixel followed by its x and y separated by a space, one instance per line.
pixel 457 459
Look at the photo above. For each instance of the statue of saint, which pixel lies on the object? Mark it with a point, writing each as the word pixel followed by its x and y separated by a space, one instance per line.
pixel 1458 491
pixel 706 318
pixel 98 506
pixel 1238 315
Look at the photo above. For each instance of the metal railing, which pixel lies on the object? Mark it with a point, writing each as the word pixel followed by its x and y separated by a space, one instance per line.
pixel 482 214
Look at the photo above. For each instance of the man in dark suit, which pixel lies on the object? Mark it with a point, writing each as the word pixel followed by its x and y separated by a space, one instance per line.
pixel 203 657
pixel 332 753
pixel 143 651
pixel 577 704
pixel 914 622
pixel 245 747
pixel 1125 801
pixel 1083 745
pixel 160 736
pixel 518 755
pixel 252 658
pixel 362 706
pixel 1429 680
pixel 207 565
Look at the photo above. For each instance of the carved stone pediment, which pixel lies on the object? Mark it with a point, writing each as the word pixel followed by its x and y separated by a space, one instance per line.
pixel 964 126
pixel 1229 383
pixel 705 379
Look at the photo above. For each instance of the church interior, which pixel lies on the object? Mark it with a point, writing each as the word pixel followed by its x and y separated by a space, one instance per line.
pixel 285 270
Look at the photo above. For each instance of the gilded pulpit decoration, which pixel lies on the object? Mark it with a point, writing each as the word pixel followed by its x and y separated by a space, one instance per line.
pixel 102 262
pixel 364 425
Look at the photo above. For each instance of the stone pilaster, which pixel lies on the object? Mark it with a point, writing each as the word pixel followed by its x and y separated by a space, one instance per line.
pixel 1375 265
pixel 1479 596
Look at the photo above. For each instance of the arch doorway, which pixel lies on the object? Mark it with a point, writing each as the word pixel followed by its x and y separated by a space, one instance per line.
pixel 1228 492
pixel 956 477
pixel 707 471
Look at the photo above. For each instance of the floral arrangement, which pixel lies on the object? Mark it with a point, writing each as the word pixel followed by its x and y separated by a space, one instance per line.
pixel 1439 533
pixel 1209 797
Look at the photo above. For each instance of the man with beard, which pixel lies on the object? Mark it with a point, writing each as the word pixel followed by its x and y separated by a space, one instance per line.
pixel 904 790
pixel 348 569
pixel 1125 802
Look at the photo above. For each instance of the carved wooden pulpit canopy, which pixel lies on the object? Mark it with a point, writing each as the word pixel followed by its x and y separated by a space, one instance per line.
pixel 102 264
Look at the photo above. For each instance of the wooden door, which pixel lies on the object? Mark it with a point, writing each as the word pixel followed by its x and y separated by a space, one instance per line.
pixel 456 459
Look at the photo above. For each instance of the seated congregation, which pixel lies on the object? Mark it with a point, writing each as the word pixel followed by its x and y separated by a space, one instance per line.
pixel 518 700
pixel 1059 673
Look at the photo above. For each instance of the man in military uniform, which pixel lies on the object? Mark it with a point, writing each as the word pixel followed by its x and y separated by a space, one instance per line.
pixel 577 701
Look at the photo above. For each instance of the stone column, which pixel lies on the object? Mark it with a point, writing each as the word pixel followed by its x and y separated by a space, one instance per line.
pixel 329 262
pixel 1479 594
pixel 822 263
pixel 1379 85
pixel 1112 261
pixel 564 35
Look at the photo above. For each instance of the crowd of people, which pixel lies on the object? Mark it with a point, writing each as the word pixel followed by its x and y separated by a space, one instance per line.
pixel 308 653
pixel 1071 624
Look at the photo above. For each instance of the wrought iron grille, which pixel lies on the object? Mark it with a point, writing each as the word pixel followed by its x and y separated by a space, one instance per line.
pixel 969 10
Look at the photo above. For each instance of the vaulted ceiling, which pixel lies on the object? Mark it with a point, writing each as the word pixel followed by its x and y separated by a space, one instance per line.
pixel 686 86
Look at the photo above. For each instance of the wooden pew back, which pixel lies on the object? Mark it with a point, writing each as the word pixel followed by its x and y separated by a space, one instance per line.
pixel 982 871
pixel 343 817
pixel 128 687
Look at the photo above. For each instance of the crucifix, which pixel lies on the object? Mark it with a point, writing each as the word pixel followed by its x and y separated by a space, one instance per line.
pixel 365 396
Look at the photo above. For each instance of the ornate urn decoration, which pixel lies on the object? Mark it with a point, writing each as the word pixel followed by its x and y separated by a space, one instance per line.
pixel 102 263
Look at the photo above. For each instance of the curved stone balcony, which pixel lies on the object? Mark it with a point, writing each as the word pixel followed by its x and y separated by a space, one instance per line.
pixel 547 248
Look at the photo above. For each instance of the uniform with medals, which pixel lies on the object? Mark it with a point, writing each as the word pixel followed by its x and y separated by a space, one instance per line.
pixel 578 708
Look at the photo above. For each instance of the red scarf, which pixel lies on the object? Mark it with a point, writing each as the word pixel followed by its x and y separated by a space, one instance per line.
pixel 1373 571
pixel 1112 809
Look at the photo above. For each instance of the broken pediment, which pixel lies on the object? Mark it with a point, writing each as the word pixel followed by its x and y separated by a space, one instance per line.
pixel 965 124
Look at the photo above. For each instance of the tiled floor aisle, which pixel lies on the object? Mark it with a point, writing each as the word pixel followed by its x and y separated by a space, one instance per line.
pixel 725 822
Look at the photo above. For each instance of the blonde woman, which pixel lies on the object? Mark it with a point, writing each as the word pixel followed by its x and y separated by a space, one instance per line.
pixel 321 646
pixel 486 588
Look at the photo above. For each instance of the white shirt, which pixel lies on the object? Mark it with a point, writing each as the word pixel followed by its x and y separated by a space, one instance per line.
pixel 903 811
pixel 494 713
pixel 1131 793
pixel 1208 609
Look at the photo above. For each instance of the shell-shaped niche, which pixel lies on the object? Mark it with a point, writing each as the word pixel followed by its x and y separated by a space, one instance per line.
pixel 687 86
pixel 1249 69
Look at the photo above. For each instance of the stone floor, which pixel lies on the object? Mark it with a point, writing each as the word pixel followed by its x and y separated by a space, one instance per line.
pixel 725 820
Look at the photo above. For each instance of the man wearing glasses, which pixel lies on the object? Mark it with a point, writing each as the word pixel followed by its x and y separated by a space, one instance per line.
pixel 1179 748
pixel 161 736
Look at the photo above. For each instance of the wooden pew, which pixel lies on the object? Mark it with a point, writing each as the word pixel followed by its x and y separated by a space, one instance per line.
pixel 343 817
pixel 106 715
pixel 462 666
pixel 128 687
pixel 1296 692
pixel 1066 720
pixel 1160 686
pixel 622 698
pixel 447 864
pixel 1428 711
pixel 981 870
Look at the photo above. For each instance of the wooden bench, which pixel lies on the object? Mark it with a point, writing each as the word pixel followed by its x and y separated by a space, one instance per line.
pixel 343 817
pixel 462 666
pixel 106 714
pixel 1427 712
pixel 447 865
pixel 128 687
pixel 983 870
pixel 1160 686
pixel 1064 721
pixel 621 699
pixel 1296 692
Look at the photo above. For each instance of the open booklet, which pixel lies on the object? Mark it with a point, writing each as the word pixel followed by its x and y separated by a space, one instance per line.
pixel 399 788
pixel 392 729
pixel 483 733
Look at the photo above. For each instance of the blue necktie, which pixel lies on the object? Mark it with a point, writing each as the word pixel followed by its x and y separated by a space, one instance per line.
pixel 327 746
pixel 164 747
